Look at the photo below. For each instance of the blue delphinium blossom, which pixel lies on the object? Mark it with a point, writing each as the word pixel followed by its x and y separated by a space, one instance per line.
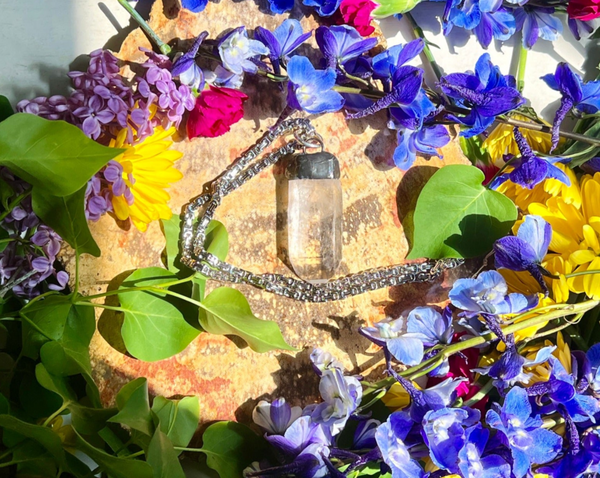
pixel 186 68
pixel 325 8
pixel 537 22
pixel 391 439
pixel 302 433
pixel 195 6
pixel 584 97
pixel 282 41
pixel 275 417
pixel 530 169
pixel 445 436
pixel 487 294
pixel 425 327
pixel 322 360
pixel 486 94
pixel 364 435
pixel 238 52
pixel 529 443
pixel 387 62
pixel 592 374
pixel 585 462
pixel 342 43
pixel 311 90
pixel 281 6
pixel 341 396
pixel 474 462
pixel 526 250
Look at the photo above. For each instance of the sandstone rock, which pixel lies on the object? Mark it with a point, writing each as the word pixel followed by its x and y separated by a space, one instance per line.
pixel 228 379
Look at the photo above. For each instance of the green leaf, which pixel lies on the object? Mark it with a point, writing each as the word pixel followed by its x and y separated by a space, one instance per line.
pixel 85 420
pixel 391 7
pixel 584 151
pixel 228 312
pixel 114 466
pixel 42 435
pixel 134 408
pixel 6 194
pixel 5 108
pixel 154 328
pixel 473 149
pixel 217 239
pixel 162 457
pixel 66 215
pixel 230 447
pixel 178 418
pixel 457 217
pixel 53 156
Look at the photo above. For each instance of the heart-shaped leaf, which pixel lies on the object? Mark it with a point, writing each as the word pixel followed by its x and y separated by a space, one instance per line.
pixel 162 457
pixel 178 418
pixel 66 215
pixel 53 156
pixel 154 328
pixel 228 312
pixel 458 217
pixel 134 408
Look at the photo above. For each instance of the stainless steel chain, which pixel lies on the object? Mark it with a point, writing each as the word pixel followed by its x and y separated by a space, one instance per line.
pixel 193 232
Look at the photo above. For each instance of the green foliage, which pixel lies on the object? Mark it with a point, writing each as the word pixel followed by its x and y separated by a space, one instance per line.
pixel 154 327
pixel 5 108
pixel 53 156
pixel 582 152
pixel 66 215
pixel 458 217
pixel 230 447
pixel 134 407
pixel 473 149
pixel 391 7
pixel 178 418
pixel 228 312
pixel 162 457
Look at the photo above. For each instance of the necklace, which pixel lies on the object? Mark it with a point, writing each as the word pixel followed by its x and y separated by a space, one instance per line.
pixel 200 211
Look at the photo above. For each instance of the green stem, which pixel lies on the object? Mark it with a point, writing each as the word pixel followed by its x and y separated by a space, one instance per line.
pixel 197 450
pixel 162 46
pixel 418 32
pixel 547 129
pixel 101 306
pixel 76 288
pixel 41 296
pixel 15 202
pixel 483 391
pixel 165 285
pixel 56 413
pixel 134 455
pixel 522 65
pixel 582 273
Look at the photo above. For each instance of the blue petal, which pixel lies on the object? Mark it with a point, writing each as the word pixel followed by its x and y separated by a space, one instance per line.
pixel 518 303
pixel 407 350
pixel 516 404
pixel 281 6
pixel 557 173
pixel 538 233
pixel 514 253
pixel 428 322
pixel 404 156
pixel 541 356
pixel 521 462
pixel 546 445
pixel 195 6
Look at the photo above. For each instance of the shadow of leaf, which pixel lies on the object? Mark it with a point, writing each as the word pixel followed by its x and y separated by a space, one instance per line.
pixel 478 232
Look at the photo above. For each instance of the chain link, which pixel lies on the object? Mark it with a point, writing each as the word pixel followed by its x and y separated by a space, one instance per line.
pixel 193 232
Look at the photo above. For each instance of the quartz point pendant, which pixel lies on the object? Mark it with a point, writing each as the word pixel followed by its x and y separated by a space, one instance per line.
pixel 314 216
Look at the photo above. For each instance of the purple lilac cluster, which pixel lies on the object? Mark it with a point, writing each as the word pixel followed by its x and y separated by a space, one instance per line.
pixel 27 262
pixel 103 102
pixel 101 189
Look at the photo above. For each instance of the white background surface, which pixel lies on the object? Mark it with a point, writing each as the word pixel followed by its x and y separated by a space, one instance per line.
pixel 41 38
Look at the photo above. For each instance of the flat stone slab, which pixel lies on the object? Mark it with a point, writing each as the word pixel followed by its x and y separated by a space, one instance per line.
pixel 227 377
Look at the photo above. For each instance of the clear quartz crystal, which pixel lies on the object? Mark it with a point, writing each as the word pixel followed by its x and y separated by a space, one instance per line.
pixel 315 228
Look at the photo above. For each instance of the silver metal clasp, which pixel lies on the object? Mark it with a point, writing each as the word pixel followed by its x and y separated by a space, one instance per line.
pixel 310 140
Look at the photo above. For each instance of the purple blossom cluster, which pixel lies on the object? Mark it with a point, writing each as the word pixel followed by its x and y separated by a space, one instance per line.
pixel 103 102
pixel 103 187
pixel 28 258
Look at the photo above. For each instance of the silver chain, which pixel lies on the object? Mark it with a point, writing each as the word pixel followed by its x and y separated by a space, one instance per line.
pixel 193 232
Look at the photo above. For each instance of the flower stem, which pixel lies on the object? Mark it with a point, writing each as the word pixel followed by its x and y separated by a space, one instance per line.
pixel 418 32
pixel 522 65
pixel 56 413
pixel 162 46
pixel 86 298
pixel 547 129
pixel 483 391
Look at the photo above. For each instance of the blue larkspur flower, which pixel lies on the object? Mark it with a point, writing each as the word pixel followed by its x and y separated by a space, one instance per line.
pixel 584 97
pixel 186 68
pixel 238 52
pixel 486 94
pixel 195 6
pixel 387 62
pixel 473 461
pixel 283 41
pixel 311 90
pixel 531 169
pixel 275 417
pixel 526 250
pixel 325 8
pixel 342 43
pixel 529 443
pixel 487 294
pixel 537 22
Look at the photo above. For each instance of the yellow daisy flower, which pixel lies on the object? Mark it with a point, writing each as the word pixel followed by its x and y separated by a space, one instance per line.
pixel 501 140
pixel 541 372
pixel 147 171
pixel 396 397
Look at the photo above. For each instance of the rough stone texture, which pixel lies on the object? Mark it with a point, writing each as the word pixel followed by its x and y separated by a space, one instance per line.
pixel 227 378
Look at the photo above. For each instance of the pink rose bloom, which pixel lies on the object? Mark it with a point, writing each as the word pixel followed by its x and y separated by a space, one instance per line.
pixel 215 111
pixel 584 10
pixel 357 14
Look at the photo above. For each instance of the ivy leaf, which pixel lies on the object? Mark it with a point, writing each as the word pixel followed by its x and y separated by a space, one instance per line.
pixel 85 420
pixel 114 466
pixel 162 457
pixel 49 440
pixel 230 447
pixel 53 156
pixel 5 108
pixel 66 215
pixel 134 408
pixel 228 312
pixel 458 217
pixel 178 418
pixel 154 327
pixel 391 7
